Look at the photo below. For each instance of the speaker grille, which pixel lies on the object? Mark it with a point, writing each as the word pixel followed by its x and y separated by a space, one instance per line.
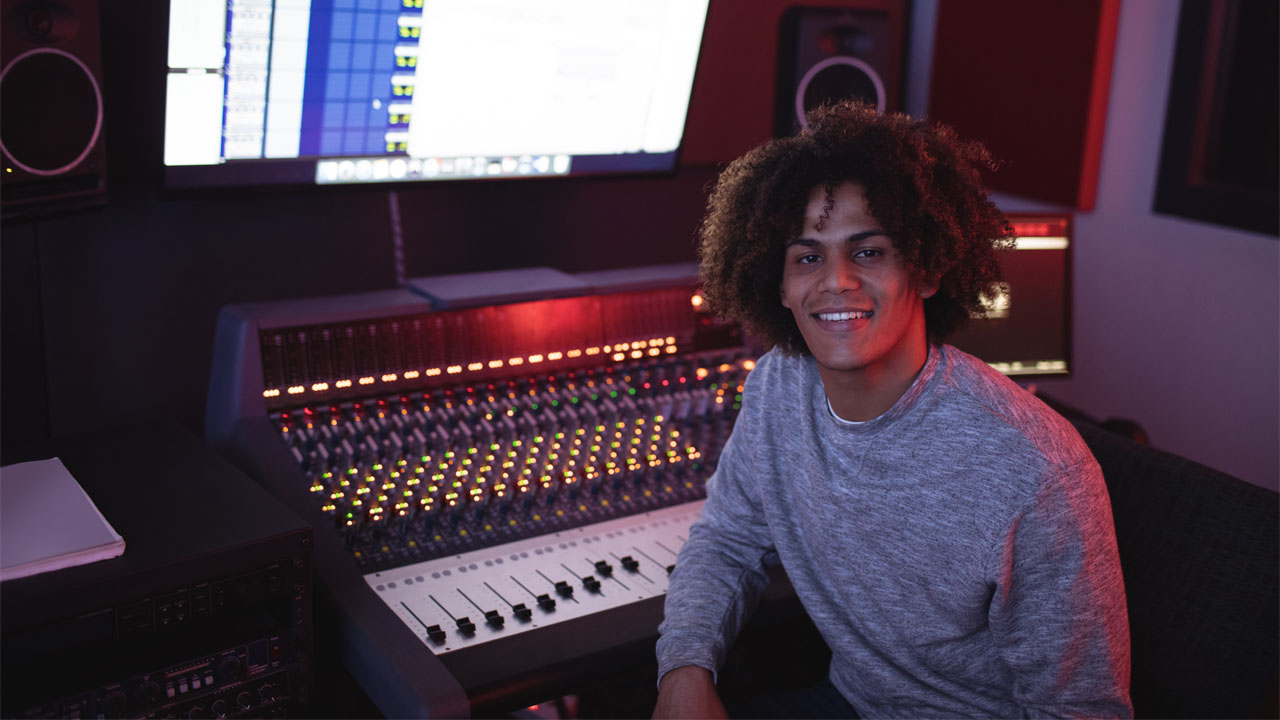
pixel 50 111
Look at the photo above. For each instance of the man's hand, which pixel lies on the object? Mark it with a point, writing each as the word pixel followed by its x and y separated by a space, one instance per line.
pixel 688 692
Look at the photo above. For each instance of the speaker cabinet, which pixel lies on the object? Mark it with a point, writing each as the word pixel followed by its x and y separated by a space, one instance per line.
pixel 828 54
pixel 1030 80
pixel 51 111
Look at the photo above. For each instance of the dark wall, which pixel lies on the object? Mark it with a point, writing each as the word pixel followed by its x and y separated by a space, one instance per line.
pixel 109 313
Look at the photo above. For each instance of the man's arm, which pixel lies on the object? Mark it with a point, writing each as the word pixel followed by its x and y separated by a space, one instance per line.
pixel 718 578
pixel 1058 614
pixel 688 692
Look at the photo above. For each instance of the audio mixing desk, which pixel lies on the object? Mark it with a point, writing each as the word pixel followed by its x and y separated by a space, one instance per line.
pixel 501 468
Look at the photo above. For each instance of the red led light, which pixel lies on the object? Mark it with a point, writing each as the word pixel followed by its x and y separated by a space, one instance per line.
pixel 646 386
pixel 665 383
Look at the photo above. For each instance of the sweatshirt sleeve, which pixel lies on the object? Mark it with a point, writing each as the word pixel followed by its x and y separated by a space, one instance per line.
pixel 720 571
pixel 1058 613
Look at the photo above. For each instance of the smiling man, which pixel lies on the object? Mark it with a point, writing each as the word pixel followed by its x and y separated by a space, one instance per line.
pixel 948 534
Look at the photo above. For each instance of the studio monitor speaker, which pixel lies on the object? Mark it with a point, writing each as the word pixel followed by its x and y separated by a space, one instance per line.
pixel 828 54
pixel 51 110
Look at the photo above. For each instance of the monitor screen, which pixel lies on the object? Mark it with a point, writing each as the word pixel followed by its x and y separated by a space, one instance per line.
pixel 1025 328
pixel 264 92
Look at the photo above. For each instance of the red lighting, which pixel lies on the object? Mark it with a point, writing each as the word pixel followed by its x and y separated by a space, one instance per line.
pixel 665 383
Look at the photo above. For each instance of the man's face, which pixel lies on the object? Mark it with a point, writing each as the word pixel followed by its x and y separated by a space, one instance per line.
pixel 855 301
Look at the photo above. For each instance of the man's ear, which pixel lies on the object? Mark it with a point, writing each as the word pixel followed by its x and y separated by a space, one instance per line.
pixel 929 287
pixel 783 297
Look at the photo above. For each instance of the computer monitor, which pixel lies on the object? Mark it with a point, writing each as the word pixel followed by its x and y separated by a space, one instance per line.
pixel 267 92
pixel 1025 329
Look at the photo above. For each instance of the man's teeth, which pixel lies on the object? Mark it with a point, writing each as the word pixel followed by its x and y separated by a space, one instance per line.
pixel 836 317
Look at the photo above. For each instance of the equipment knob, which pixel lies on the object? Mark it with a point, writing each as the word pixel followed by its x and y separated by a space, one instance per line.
pixel 219 708
pixel 244 700
pixel 267 692
pixel 146 694
pixel 115 703
pixel 228 668
pixel 197 711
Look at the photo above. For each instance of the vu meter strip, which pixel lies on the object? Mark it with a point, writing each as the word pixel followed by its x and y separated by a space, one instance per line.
pixel 472 598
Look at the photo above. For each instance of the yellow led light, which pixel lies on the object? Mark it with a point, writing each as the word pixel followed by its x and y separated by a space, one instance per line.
pixel 671 340
pixel 411 375
pixel 389 377
pixel 554 356
pixel 654 352
pixel 574 353
pixel 655 342
pixel 671 349
pixel 748 364
pixel 320 387
pixel 343 384
pixel 593 351
pixel 453 369
pixel 696 300
pixel 619 356
pixel 535 358
pixel 365 381
pixel 296 389
pixel 475 366
pixel 637 353
pixel 701 373
pixel 432 372
pixel 495 363
pixel 270 393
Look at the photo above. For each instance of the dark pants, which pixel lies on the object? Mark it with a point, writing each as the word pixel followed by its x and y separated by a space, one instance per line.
pixel 820 700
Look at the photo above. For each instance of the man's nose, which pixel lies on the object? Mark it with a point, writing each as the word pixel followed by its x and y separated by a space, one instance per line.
pixel 841 274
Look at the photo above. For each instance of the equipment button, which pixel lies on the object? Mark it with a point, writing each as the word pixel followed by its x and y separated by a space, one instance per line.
pixel 604 568
pixel 630 563
pixel 546 602
pixel 494 620
pixel 182 686
pixel 590 583
pixel 564 588
pixel 436 634
pixel 466 627
pixel 523 613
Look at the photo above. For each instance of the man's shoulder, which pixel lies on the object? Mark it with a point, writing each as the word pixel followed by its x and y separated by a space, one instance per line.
pixel 1008 410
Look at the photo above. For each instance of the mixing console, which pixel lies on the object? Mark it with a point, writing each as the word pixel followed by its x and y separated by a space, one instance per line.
pixel 412 477
pixel 481 463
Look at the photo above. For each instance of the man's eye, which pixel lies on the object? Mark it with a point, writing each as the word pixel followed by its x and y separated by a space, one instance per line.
pixel 868 253
pixel 806 259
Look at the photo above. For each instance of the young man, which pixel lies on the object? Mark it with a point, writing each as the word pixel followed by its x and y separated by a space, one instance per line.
pixel 949 535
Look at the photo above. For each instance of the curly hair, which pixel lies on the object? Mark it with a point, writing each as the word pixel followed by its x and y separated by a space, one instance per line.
pixel 922 186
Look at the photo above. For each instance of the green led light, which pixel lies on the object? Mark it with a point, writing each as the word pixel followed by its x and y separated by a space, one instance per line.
pixel 352 471
pixel 631 391
pixel 613 393
pixel 493 446
pixel 535 406
pixel 555 403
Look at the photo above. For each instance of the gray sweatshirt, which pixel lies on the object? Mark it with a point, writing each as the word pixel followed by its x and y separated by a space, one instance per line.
pixel 957 553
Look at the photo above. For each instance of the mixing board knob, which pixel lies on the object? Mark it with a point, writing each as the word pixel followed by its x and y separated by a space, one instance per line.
pixel 523 613
pixel 564 588
pixel 228 668
pixel 466 627
pixel 436 634
pixel 494 620
pixel 146 695
pixel 630 563
pixel 548 603
pixel 604 568
pixel 244 700
pixel 219 708
pixel 195 711
pixel 591 584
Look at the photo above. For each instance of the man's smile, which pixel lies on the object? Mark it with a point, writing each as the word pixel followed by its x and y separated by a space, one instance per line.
pixel 844 315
